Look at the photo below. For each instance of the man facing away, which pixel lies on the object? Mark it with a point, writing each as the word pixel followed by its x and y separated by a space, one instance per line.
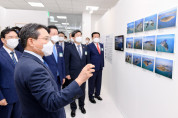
pixel 36 88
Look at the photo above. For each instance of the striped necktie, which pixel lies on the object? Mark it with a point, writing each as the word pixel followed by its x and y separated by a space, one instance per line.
pixel 79 51
pixel 13 58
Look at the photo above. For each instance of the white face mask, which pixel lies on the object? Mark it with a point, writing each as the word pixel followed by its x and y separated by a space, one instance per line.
pixel 96 40
pixel 79 39
pixel 61 38
pixel 12 43
pixel 87 41
pixel 48 49
pixel 55 38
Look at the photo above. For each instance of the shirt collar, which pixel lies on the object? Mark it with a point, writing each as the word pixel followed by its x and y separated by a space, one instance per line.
pixel 8 50
pixel 34 54
pixel 77 44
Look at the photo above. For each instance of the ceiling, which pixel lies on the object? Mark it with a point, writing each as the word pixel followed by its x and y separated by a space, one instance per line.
pixel 60 6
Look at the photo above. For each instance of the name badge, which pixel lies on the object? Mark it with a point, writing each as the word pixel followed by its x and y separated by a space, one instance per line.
pixel 85 52
pixel 60 55
pixel 102 49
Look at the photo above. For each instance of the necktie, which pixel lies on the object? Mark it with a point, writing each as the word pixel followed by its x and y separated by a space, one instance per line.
pixel 98 48
pixel 45 63
pixel 79 51
pixel 13 58
pixel 55 53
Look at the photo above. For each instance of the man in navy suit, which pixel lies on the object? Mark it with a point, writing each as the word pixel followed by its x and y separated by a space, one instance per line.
pixel 96 54
pixel 56 60
pixel 9 102
pixel 36 88
pixel 62 41
pixel 76 58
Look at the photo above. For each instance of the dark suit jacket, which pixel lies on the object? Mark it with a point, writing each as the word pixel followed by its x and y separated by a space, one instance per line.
pixel 96 58
pixel 74 64
pixel 54 66
pixel 1 44
pixel 38 92
pixel 7 85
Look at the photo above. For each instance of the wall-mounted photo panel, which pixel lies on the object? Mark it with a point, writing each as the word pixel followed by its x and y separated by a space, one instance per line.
pixel 165 43
pixel 119 43
pixel 137 60
pixel 130 27
pixel 129 42
pixel 149 43
pixel 167 18
pixel 139 25
pixel 148 62
pixel 150 23
pixel 164 67
pixel 128 57
pixel 138 43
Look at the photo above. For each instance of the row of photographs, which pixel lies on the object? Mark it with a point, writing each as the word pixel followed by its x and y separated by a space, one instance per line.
pixel 160 66
pixel 164 43
pixel 165 19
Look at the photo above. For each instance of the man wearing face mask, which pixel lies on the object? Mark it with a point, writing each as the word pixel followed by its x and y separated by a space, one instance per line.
pixel 62 41
pixel 87 40
pixel 9 102
pixel 96 54
pixel 56 60
pixel 36 88
pixel 76 58
pixel 71 38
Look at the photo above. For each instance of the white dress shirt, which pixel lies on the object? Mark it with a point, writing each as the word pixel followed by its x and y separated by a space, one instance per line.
pixel 62 45
pixel 34 54
pixel 9 51
pixel 98 46
pixel 76 45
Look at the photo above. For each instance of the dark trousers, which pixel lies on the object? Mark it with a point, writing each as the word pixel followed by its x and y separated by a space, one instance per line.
pixel 94 84
pixel 81 100
pixel 11 111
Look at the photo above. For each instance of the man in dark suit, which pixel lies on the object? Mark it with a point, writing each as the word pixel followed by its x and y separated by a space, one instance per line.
pixel 96 54
pixel 76 59
pixel 9 102
pixel 62 41
pixel 36 88
pixel 56 60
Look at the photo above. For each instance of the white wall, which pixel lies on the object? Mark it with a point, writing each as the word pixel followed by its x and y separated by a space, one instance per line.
pixel 139 93
pixel 94 18
pixel 86 25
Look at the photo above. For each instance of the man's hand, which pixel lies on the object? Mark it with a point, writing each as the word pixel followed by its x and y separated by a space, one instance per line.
pixel 85 74
pixel 63 81
pixel 68 77
pixel 3 102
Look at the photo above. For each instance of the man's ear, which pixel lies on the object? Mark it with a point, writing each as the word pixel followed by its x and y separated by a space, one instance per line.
pixel 30 42
pixel 3 40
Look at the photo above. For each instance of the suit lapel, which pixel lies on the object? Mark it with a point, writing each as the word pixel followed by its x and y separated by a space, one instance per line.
pixel 83 51
pixel 94 47
pixel 76 51
pixel 6 55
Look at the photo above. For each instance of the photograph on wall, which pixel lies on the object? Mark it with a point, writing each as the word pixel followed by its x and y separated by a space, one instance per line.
pixel 150 23
pixel 167 18
pixel 165 43
pixel 139 25
pixel 137 60
pixel 148 62
pixel 128 57
pixel 164 67
pixel 138 43
pixel 130 27
pixel 119 43
pixel 149 43
pixel 129 42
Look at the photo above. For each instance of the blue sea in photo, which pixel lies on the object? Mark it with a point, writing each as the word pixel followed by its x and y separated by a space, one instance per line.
pixel 167 18
pixel 150 23
pixel 119 43
pixel 137 60
pixel 149 43
pixel 128 57
pixel 139 25
pixel 130 27
pixel 129 42
pixel 138 43
pixel 164 67
pixel 165 43
pixel 148 63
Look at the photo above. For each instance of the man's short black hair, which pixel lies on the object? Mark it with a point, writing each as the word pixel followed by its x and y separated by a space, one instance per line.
pixel 61 33
pixel 95 33
pixel 75 32
pixel 65 37
pixel 52 27
pixel 30 31
pixel 6 31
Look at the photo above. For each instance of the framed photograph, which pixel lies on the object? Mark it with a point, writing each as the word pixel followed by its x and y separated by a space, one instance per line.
pixel 165 43
pixel 139 25
pixel 128 57
pixel 138 43
pixel 137 60
pixel 164 67
pixel 167 18
pixel 149 43
pixel 119 43
pixel 129 42
pixel 150 23
pixel 130 27
pixel 148 62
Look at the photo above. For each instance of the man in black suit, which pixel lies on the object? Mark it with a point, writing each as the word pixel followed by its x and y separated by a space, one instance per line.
pixel 75 59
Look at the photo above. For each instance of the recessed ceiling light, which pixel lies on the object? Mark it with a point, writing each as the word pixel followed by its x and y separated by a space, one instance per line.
pixel 36 4
pixel 62 17
pixel 65 23
pixel 93 8
pixel 53 21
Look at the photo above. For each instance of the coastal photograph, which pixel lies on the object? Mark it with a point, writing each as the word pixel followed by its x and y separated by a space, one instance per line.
pixel 148 62
pixel 128 57
pixel 130 27
pixel 129 42
pixel 139 25
pixel 149 43
pixel 150 22
pixel 138 43
pixel 137 60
